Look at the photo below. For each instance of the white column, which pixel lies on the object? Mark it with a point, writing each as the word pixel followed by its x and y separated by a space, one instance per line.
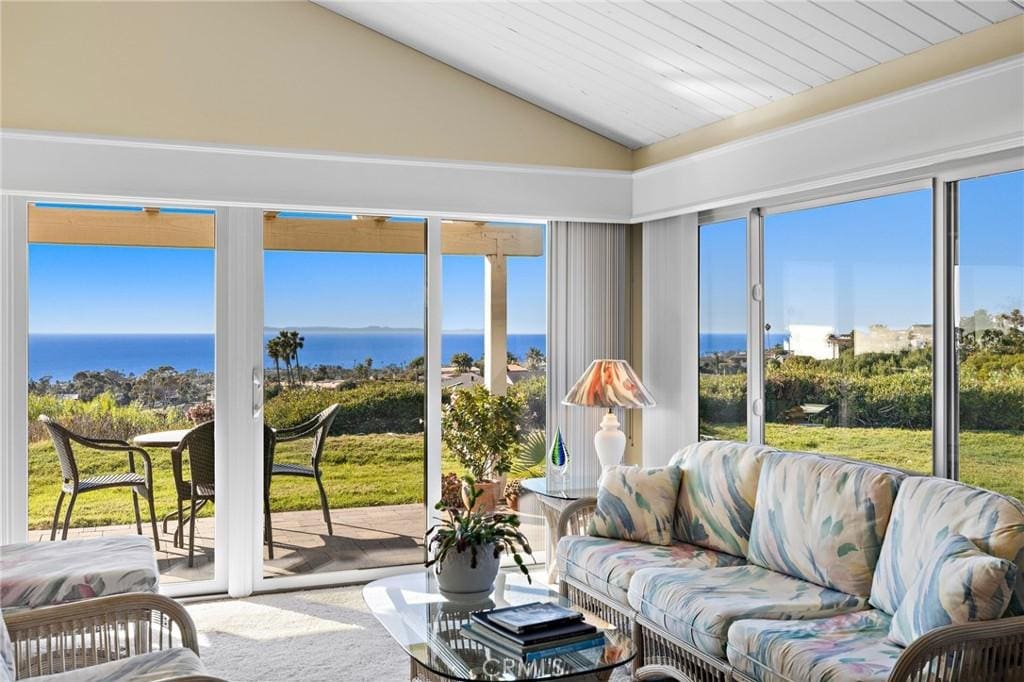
pixel 13 369
pixel 432 366
pixel 239 391
pixel 670 328
pixel 496 323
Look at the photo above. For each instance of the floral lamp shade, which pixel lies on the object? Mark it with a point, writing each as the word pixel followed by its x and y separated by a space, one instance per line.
pixel 609 383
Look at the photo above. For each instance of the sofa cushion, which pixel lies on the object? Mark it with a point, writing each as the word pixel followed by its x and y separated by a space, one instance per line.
pixel 717 492
pixel 848 648
pixel 608 565
pixel 636 504
pixel 157 665
pixel 927 511
pixel 699 605
pixel 959 584
pixel 822 519
pixel 6 653
pixel 34 574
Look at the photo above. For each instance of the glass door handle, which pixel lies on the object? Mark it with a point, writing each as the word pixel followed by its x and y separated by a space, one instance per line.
pixel 257 393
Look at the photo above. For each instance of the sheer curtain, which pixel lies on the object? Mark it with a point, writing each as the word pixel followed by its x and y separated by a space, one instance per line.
pixel 588 318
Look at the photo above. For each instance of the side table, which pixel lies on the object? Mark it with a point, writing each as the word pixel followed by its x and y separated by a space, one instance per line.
pixel 553 499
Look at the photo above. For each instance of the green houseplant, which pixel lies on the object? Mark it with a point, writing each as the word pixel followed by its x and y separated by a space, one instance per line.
pixel 482 430
pixel 466 547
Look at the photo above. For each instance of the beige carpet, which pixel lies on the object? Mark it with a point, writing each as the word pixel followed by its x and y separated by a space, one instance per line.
pixel 297 636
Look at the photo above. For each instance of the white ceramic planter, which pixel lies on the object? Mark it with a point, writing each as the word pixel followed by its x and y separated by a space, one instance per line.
pixel 459 581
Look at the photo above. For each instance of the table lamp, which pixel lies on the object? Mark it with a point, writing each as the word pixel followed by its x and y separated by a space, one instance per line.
pixel 609 383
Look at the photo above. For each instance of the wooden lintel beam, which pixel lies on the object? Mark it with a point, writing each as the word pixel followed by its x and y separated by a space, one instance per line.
pixel 87 227
pixel 371 234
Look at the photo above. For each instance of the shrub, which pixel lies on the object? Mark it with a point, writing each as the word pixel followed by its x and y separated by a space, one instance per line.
pixel 372 407
pixel 534 393
pixel 100 417
pixel 482 430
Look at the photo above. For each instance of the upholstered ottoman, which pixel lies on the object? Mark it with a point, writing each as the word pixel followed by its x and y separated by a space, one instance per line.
pixel 35 574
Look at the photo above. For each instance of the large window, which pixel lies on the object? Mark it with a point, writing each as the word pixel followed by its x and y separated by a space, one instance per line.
pixel 848 333
pixel 723 330
pixel 121 349
pixel 991 331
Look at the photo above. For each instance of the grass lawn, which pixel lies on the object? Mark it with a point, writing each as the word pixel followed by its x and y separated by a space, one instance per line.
pixel 359 471
pixel 989 459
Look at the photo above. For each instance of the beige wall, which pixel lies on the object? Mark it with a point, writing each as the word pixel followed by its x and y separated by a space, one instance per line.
pixel 277 74
pixel 986 45
pixel 294 75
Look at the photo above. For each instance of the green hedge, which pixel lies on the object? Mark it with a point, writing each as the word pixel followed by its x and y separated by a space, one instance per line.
pixel 373 407
pixel 100 417
pixel 901 399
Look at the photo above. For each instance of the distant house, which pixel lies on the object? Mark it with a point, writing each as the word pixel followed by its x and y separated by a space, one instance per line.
pixel 453 378
pixel 881 339
pixel 813 340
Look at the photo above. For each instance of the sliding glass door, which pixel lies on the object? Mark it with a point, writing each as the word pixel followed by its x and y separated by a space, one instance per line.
pixel 344 348
pixel 990 274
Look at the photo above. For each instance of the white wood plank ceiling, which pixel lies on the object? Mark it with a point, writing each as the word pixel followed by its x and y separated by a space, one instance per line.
pixel 640 71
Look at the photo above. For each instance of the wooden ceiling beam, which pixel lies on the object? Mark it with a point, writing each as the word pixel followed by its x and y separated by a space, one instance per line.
pixel 364 234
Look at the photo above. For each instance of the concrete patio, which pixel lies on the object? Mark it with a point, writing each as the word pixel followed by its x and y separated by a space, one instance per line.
pixel 364 537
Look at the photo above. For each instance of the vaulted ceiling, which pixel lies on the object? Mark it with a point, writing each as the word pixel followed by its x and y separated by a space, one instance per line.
pixel 639 72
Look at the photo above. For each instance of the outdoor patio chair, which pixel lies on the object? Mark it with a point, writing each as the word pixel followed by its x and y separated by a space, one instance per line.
pixel 199 488
pixel 318 427
pixel 74 485
pixel 269 442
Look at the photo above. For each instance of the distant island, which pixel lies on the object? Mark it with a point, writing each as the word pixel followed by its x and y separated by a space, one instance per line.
pixel 371 329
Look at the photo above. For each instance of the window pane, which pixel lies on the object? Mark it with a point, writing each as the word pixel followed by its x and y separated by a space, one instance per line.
pixel 723 330
pixel 121 346
pixel 848 310
pixel 343 309
pixel 991 282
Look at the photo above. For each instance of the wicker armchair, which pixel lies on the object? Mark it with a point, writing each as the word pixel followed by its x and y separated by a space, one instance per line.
pixel 75 485
pixel 75 636
pixel 990 650
pixel 199 488
pixel 318 427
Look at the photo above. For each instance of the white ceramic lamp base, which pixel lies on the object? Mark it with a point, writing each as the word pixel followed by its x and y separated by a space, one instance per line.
pixel 609 441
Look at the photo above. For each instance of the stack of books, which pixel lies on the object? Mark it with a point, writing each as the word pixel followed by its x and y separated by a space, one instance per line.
pixel 533 631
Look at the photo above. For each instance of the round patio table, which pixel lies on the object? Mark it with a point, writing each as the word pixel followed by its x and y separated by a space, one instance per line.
pixel 160 439
pixel 170 440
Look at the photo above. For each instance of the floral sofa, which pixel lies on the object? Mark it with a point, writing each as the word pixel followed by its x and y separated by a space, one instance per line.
pixel 784 567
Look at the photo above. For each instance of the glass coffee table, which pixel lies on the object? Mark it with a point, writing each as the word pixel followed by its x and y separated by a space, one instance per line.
pixel 429 629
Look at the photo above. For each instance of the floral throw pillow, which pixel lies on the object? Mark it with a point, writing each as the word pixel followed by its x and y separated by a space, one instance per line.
pixel 959 584
pixel 636 504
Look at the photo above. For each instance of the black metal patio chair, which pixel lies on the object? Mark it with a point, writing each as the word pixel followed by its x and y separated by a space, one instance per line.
pixel 75 485
pixel 318 427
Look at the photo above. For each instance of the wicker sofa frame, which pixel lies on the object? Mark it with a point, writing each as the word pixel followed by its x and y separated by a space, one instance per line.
pixel 77 635
pixel 991 650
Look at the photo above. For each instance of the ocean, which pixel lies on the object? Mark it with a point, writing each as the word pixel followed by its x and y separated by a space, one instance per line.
pixel 60 356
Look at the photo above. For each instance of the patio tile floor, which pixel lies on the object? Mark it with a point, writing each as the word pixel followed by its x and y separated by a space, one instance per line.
pixel 364 537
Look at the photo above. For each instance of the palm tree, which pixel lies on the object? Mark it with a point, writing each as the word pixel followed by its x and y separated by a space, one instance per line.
pixel 274 351
pixel 534 357
pixel 296 344
pixel 285 341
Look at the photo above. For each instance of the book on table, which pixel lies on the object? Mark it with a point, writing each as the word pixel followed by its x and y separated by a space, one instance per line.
pixel 532 631
pixel 532 616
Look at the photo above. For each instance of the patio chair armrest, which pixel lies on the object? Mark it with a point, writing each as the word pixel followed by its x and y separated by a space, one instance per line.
pixel 303 430
pixel 973 651
pixel 93 631
pixel 574 518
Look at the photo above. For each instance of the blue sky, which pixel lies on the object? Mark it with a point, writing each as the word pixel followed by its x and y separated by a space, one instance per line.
pixel 867 262
pixel 78 289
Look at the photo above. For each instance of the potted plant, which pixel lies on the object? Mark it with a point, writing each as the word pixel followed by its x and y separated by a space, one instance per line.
pixel 466 548
pixel 528 463
pixel 482 430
